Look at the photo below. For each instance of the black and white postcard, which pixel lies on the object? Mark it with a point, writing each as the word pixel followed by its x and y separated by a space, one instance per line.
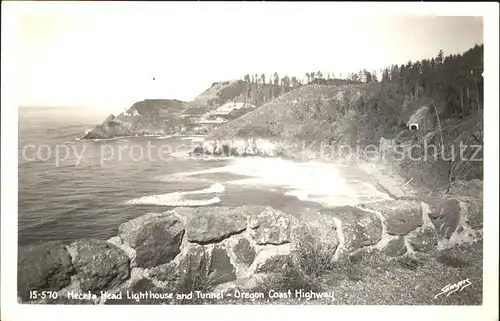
pixel 257 154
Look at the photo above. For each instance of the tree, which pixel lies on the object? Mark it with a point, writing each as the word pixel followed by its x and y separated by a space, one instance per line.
pixel 395 74
pixel 286 83
pixel 276 84
pixel 354 77
pixel 263 77
pixel 319 75
pixel 367 76
pixel 440 57
pixel 386 77
pixel 361 76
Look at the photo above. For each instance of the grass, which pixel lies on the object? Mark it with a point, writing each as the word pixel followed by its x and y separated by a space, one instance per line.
pixel 308 263
pixel 375 279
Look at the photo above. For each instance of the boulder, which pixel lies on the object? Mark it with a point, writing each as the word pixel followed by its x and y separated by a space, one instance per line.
pixel 198 150
pixel 212 224
pixel 423 239
pixel 250 148
pixel 159 242
pixel 238 147
pixel 244 252
pixel 322 228
pixel 470 192
pixel 45 266
pixel 401 216
pixel 129 231
pixel 445 215
pixel 270 226
pixel 475 213
pixel 99 265
pixel 197 260
pixel 212 147
pixel 117 241
pixel 395 247
pixel 220 269
pixel 359 228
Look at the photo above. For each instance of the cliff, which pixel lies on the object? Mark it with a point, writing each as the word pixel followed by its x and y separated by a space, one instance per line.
pixel 145 117
pixel 167 116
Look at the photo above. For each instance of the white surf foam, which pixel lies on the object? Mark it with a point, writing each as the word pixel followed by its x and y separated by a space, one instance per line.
pixel 179 198
pixel 172 200
pixel 193 139
pixel 215 188
pixel 103 139
pixel 310 181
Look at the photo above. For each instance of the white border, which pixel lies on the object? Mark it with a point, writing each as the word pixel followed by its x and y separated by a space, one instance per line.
pixel 12 311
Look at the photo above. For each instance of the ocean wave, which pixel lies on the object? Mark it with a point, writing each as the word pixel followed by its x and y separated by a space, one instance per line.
pixel 323 183
pixel 215 188
pixel 172 200
pixel 193 138
pixel 103 139
pixel 179 198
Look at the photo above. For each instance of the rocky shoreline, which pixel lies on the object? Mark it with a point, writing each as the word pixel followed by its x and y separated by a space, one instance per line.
pixel 228 248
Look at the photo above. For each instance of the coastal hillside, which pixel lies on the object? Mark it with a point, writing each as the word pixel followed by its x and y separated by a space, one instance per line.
pixel 156 107
pixel 451 86
pixel 249 93
pixel 143 117
pixel 224 100
pixel 434 102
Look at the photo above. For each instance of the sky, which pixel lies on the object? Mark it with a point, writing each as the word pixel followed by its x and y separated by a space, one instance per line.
pixel 106 55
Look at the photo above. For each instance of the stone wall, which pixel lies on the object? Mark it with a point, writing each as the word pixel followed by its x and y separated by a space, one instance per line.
pixel 233 247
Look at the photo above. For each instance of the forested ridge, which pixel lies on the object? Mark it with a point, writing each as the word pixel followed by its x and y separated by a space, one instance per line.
pixel 454 82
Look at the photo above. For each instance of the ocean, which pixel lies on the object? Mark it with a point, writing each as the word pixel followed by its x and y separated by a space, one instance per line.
pixel 71 189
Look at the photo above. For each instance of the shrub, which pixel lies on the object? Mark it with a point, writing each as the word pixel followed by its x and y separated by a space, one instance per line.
pixel 303 271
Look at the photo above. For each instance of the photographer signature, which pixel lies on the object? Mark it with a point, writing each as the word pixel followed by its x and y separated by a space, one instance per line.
pixel 450 288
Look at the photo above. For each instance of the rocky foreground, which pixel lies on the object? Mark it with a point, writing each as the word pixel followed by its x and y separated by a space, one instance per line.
pixel 214 254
